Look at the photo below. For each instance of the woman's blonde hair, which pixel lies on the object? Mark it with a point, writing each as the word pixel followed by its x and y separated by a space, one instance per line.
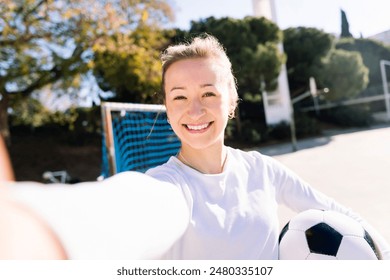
pixel 205 46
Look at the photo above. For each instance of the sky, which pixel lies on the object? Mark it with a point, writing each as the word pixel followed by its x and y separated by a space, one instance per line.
pixel 365 18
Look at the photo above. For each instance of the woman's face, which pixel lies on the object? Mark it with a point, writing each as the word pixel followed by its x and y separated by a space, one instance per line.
pixel 198 102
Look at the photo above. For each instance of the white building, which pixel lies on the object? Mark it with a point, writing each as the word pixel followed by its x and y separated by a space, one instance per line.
pixel 277 104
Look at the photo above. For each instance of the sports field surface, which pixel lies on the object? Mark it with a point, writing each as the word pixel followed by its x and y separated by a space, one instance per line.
pixel 352 166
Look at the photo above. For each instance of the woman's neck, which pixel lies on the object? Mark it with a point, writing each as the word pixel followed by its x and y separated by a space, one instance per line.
pixel 206 161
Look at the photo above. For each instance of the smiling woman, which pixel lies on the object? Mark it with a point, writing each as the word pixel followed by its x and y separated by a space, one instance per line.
pixel 198 107
pixel 232 195
pixel 200 96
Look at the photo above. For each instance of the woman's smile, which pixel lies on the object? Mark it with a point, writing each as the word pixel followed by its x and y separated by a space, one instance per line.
pixel 197 128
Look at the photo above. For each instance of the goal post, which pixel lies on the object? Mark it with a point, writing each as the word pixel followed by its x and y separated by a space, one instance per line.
pixel 135 137
pixel 383 64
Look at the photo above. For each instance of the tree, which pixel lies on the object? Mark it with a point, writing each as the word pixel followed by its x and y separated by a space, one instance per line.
pixel 306 49
pixel 48 42
pixel 372 53
pixel 31 113
pixel 130 65
pixel 344 74
pixel 344 25
pixel 251 44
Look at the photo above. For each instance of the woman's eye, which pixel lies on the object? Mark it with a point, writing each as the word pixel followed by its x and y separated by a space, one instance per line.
pixel 207 94
pixel 179 97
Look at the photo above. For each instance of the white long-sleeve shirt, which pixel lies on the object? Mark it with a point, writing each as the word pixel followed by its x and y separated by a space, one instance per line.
pixel 234 213
pixel 127 216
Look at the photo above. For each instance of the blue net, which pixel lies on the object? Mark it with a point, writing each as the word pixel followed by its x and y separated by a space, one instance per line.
pixel 142 140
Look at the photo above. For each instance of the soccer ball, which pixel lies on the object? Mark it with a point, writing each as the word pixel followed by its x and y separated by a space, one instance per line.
pixel 325 235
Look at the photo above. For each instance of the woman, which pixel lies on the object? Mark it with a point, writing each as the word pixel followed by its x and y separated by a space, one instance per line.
pixel 232 195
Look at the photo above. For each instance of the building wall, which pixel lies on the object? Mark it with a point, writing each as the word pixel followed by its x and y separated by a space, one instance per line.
pixel 382 37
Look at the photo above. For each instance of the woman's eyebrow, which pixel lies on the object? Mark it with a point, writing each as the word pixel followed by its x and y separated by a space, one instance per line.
pixel 182 87
pixel 176 88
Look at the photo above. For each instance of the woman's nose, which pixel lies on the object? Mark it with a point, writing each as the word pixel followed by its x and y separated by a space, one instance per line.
pixel 196 109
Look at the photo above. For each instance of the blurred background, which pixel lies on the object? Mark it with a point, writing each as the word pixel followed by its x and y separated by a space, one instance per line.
pixel 318 65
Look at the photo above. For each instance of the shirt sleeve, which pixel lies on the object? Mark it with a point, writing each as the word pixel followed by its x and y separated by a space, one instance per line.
pixel 299 196
pixel 126 216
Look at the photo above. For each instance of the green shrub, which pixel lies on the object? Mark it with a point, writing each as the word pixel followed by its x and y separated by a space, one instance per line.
pixel 251 132
pixel 280 131
pixel 306 126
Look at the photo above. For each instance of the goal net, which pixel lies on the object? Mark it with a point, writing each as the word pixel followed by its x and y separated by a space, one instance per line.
pixel 135 137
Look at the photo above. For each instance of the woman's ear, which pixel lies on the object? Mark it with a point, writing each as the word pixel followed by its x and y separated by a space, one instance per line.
pixel 232 109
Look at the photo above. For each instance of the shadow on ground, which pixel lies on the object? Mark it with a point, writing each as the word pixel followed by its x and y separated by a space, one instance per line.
pixel 286 148
pixel 308 143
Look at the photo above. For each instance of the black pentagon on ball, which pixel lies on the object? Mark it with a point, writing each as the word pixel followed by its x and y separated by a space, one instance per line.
pixel 371 242
pixel 323 239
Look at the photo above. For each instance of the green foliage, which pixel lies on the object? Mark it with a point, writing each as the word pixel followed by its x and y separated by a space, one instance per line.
pixel 280 131
pixel 262 64
pixel 129 65
pixel 252 46
pixel 51 43
pixel 348 116
pixel 251 132
pixel 31 113
pixel 372 53
pixel 43 42
pixel 305 48
pixel 85 128
pixel 347 74
pixel 256 132
pixel 344 74
pixel 344 25
pixel 252 97
pixel 56 43
pixel 305 126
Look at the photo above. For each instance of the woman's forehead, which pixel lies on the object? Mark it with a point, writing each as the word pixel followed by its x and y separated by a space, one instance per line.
pixel 201 68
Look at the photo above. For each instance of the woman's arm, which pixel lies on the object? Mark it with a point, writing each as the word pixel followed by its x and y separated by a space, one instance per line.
pixel 298 195
pixel 6 173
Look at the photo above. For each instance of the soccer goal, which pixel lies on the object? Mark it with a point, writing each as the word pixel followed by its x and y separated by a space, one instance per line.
pixel 135 137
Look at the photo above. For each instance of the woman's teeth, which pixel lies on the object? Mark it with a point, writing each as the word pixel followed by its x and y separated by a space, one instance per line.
pixel 197 127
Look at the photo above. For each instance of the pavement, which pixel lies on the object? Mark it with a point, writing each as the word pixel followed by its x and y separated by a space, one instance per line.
pixel 352 166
